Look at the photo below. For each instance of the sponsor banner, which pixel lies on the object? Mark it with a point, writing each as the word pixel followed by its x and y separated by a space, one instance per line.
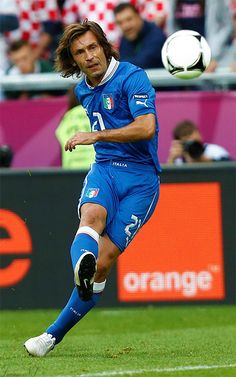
pixel 18 243
pixel 178 255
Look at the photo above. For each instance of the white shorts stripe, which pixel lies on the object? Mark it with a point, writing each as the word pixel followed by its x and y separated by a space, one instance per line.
pixel 149 208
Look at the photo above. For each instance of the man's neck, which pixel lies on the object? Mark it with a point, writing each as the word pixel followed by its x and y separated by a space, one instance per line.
pixel 112 67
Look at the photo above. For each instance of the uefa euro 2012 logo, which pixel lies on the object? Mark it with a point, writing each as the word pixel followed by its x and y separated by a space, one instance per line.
pixel 108 102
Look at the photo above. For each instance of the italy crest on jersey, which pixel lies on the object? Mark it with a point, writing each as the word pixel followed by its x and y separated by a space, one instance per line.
pixel 92 192
pixel 108 102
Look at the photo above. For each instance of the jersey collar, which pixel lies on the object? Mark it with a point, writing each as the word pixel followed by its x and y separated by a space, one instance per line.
pixel 112 67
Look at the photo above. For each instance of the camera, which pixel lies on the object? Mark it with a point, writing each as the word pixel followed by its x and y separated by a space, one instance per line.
pixel 6 156
pixel 194 148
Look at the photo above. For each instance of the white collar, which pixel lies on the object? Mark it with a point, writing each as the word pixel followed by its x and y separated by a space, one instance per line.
pixel 112 67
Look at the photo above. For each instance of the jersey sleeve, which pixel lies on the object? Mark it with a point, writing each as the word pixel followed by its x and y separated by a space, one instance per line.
pixel 140 93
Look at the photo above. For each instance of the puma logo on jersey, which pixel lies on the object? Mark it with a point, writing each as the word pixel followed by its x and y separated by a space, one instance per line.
pixel 142 103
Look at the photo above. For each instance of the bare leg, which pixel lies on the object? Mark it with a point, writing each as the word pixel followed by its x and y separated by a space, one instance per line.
pixel 107 256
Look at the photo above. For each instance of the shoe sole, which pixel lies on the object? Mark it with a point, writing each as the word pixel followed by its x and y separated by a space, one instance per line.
pixel 85 270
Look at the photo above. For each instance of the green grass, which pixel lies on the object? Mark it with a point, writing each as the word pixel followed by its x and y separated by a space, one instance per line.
pixel 124 340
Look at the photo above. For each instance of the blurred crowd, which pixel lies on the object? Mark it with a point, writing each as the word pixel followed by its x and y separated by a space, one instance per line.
pixel 30 29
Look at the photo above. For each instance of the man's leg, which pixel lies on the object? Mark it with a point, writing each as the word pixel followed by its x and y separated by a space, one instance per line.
pixel 108 254
pixel 84 249
pixel 76 309
pixel 84 253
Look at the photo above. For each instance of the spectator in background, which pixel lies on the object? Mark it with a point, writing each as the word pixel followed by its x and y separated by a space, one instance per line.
pixel 40 24
pixel 8 22
pixel 141 41
pixel 75 120
pixel 187 146
pixel 153 10
pixel 211 18
pixel 233 60
pixel 102 12
pixel 229 58
pixel 98 11
pixel 24 62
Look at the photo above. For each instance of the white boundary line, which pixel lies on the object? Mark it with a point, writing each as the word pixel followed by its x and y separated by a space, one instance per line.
pixel 155 370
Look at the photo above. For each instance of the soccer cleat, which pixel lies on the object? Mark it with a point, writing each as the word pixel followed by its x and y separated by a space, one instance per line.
pixel 85 270
pixel 40 345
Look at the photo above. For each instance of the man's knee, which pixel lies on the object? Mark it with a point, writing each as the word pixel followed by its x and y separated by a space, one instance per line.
pixel 93 215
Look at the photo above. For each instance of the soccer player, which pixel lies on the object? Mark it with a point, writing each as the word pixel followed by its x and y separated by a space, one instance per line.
pixel 121 190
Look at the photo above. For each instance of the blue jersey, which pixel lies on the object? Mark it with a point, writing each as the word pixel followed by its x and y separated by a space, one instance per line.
pixel 124 93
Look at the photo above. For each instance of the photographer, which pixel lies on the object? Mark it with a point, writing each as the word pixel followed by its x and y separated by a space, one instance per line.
pixel 187 146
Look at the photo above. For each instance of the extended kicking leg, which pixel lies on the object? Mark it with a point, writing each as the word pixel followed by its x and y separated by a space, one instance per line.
pixel 76 308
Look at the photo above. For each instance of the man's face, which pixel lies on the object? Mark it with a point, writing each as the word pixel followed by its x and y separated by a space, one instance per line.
pixel 23 59
pixel 130 23
pixel 89 56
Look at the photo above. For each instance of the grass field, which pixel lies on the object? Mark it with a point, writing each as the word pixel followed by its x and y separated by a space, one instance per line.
pixel 164 342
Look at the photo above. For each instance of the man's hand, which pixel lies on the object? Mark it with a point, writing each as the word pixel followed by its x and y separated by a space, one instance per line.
pixel 80 138
pixel 176 151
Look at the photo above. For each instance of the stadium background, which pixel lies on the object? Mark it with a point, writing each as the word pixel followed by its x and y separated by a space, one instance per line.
pixel 153 318
pixel 193 241
pixel 171 313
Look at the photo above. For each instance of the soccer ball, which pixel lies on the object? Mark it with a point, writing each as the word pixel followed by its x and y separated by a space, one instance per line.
pixel 186 54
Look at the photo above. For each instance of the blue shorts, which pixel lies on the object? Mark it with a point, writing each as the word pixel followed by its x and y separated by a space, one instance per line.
pixel 129 192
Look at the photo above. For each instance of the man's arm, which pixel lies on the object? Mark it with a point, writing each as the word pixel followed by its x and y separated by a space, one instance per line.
pixel 142 128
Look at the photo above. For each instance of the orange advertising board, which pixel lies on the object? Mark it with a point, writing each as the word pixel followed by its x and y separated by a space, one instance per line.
pixel 178 254
pixel 17 243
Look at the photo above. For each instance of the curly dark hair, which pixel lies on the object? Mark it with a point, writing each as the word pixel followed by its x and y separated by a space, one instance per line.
pixel 64 62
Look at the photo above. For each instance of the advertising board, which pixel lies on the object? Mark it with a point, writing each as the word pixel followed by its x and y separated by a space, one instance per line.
pixel 178 255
